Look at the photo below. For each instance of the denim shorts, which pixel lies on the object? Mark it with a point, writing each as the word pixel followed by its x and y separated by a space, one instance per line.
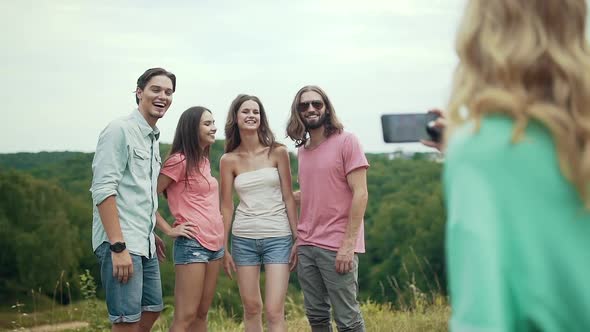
pixel 142 292
pixel 188 251
pixel 271 250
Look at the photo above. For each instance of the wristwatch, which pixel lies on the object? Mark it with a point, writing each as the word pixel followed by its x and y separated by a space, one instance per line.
pixel 118 247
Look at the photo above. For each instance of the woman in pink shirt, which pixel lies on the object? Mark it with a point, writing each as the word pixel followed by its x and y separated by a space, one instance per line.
pixel 193 198
pixel 265 221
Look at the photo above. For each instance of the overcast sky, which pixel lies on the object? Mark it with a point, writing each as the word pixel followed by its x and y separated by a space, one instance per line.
pixel 70 66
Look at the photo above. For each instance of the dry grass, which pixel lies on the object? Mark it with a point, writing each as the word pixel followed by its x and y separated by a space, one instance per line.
pixel 378 318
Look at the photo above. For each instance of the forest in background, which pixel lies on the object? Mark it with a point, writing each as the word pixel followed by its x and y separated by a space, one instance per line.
pixel 46 218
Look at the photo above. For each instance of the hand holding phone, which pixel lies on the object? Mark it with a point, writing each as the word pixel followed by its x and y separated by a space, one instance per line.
pixel 439 124
pixel 412 127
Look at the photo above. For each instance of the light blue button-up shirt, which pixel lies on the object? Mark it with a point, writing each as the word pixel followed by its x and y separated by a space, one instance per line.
pixel 127 164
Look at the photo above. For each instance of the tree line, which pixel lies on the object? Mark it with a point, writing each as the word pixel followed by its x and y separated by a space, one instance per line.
pixel 46 220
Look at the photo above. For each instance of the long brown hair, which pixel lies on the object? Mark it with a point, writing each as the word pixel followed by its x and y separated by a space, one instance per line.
pixel 529 59
pixel 232 133
pixel 187 142
pixel 296 129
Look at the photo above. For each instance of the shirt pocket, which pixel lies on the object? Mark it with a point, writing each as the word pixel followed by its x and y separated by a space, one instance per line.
pixel 139 162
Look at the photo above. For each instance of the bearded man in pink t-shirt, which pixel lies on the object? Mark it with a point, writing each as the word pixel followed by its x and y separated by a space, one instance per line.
pixel 333 198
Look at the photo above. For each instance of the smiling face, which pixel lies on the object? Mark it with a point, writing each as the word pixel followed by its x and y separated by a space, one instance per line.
pixel 206 130
pixel 312 110
pixel 155 98
pixel 248 116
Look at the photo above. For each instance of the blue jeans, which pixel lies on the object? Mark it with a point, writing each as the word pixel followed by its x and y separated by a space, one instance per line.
pixel 188 250
pixel 142 292
pixel 271 250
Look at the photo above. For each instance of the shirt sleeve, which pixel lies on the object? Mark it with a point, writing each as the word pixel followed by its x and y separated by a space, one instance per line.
pixel 174 167
pixel 109 163
pixel 353 155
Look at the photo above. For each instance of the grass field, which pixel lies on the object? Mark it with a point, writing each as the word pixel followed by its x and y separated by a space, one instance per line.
pixel 416 311
pixel 378 318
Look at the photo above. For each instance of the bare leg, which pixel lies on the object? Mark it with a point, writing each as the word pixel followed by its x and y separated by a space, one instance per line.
pixel 187 294
pixel 125 327
pixel 249 283
pixel 277 282
pixel 147 320
pixel 207 296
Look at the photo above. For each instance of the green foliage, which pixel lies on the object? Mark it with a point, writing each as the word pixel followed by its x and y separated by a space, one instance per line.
pixel 87 286
pixel 28 161
pixel 227 297
pixel 46 213
pixel 39 239
pixel 91 313
pixel 405 225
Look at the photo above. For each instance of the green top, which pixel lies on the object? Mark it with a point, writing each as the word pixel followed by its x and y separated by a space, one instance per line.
pixel 518 237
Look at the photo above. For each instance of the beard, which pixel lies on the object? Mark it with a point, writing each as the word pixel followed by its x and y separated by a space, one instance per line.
pixel 315 124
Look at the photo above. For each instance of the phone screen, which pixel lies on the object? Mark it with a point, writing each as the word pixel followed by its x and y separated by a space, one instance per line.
pixel 406 127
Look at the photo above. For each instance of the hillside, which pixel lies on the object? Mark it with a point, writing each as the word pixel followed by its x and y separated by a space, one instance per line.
pixel 45 206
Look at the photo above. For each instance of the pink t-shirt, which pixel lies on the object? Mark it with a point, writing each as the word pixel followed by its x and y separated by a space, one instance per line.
pixel 325 195
pixel 197 202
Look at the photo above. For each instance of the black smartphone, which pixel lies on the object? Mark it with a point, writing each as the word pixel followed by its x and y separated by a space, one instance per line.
pixel 410 127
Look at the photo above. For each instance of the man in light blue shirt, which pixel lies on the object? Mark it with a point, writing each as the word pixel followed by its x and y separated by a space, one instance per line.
pixel 125 169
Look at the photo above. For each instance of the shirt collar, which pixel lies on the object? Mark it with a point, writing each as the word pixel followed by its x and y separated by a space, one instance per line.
pixel 144 127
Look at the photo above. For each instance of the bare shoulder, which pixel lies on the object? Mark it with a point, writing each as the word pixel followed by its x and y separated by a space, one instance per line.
pixel 228 159
pixel 280 154
pixel 280 151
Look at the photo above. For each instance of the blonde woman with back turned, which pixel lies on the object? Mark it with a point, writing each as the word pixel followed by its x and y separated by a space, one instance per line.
pixel 517 168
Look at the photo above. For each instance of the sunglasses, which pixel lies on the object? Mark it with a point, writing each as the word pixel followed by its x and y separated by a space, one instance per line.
pixel 304 106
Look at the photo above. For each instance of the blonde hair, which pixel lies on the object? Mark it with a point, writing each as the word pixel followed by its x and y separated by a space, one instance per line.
pixel 528 59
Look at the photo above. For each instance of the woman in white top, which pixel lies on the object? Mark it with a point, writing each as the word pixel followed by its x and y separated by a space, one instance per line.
pixel 265 222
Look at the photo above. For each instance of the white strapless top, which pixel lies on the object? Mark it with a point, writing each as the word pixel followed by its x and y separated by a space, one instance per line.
pixel 261 212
